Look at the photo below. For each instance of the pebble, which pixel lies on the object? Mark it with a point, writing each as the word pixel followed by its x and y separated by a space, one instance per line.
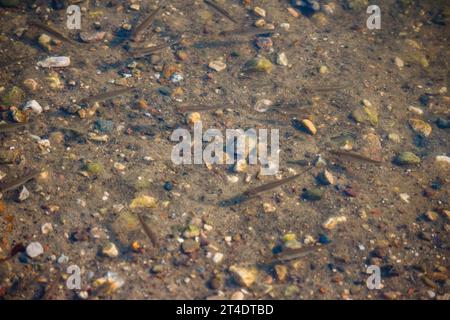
pixel 112 281
pixel 281 272
pixel 191 231
pixel 326 177
pixel 269 207
pixel 407 158
pixel 282 59
pixel 263 105
pixel 46 228
pixel 415 110
pixel 110 250
pixel 399 62
pixel 309 126
pixel 217 65
pixel 34 106
pixel 332 222
pixel 259 12
pixel 420 127
pixel 30 84
pixel 240 166
pixel 394 137
pixel 24 194
pixel 193 117
pixel 443 159
pixel 218 257
pixel 243 276
pixel 324 239
pixel 54 62
pixel 44 41
pixel 293 12
pixel 367 113
pixel 143 201
pixel 259 64
pixel 323 70
pixel 34 249
pixel 431 215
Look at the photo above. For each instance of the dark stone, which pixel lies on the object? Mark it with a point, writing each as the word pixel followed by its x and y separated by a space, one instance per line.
pixel 323 239
pixel 168 186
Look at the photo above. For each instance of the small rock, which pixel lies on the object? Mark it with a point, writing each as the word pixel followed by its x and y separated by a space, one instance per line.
pixel 259 12
pixel 24 194
pixel 323 70
pixel 269 207
pixel 45 42
pixel 309 126
pixel 443 160
pixel 46 228
pixel 217 65
pixel 33 105
pixel 218 257
pixel 259 65
pixel 243 276
pixel 263 105
pixel 94 168
pixel 110 250
pixel 34 249
pixel 431 215
pixel 30 84
pixel 326 177
pixel 143 201
pixel 407 158
pixel 415 110
pixel 281 272
pixel 282 59
pixel 54 62
pixel 420 127
pixel 399 62
pixel 240 166
pixel 191 231
pixel 193 117
pixel 332 222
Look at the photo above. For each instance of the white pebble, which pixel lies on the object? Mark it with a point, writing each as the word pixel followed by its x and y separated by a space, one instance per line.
pixel 34 249
pixel 33 105
pixel 54 62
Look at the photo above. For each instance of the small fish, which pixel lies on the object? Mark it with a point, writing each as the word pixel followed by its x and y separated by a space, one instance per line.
pixel 19 182
pixel 198 108
pixel 142 52
pixel 247 32
pixel 146 23
pixel 355 156
pixel 51 31
pixel 151 234
pixel 219 9
pixel 273 185
pixel 12 126
pixel 292 254
pixel 107 95
pixel 328 88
